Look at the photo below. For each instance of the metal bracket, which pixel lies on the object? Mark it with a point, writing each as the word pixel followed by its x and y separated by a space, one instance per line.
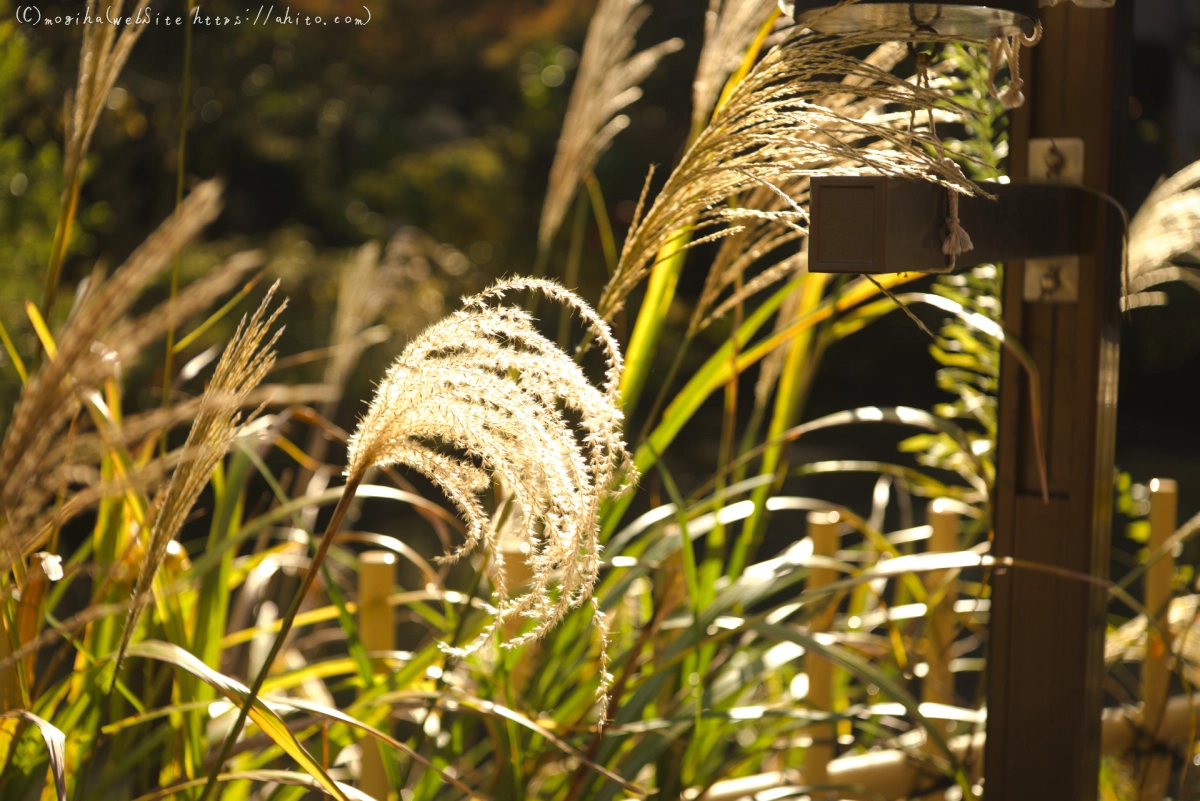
pixel 1057 161
pixel 1052 280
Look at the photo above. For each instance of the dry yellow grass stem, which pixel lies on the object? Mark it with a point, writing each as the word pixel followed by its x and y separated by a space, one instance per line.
pixel 246 360
pixel 87 353
pixel 608 81
pixel 729 28
pixel 101 58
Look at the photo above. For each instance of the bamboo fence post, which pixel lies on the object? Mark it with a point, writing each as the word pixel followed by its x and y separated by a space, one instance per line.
pixel 1156 676
pixel 376 627
pixel 823 529
pixel 938 686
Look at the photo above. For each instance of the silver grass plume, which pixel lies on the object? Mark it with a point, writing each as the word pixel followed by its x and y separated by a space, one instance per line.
pixel 480 397
pixel 607 81
pixel 757 240
pixel 761 238
pixel 476 397
pixel 247 359
pixel 729 28
pixel 787 120
pixel 1165 229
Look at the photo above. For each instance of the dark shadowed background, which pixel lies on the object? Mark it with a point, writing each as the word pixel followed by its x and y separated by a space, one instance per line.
pixel 443 114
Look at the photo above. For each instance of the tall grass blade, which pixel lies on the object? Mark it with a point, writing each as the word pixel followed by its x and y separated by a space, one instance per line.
pixel 56 743
pixel 795 375
pixel 13 355
pixel 284 777
pixel 263 716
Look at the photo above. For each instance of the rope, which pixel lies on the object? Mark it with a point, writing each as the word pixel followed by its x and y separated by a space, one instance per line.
pixel 903 306
pixel 957 240
pixel 1008 47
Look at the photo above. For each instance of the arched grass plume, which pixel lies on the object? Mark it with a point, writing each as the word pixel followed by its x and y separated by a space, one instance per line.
pixel 1164 233
pixel 477 398
pixel 480 398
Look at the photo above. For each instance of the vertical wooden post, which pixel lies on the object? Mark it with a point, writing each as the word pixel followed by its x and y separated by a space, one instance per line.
pixel 823 529
pixel 938 686
pixel 1156 677
pixel 377 628
pixel 1045 663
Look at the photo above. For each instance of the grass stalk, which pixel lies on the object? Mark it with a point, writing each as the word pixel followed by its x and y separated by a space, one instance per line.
pixel 660 292
pixel 608 242
pixel 335 522
pixel 793 382
pixel 574 255
pixel 62 235
pixel 664 276
pixel 13 355
pixel 180 175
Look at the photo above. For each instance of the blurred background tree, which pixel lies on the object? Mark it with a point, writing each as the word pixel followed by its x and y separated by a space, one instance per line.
pixel 444 116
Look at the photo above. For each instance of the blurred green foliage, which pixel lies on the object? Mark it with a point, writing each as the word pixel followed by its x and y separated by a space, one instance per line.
pixel 440 116
pixel 30 184
pixel 970 361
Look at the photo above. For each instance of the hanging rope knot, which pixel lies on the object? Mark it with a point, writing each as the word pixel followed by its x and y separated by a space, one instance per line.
pixel 957 241
pixel 1008 47
pixel 924 59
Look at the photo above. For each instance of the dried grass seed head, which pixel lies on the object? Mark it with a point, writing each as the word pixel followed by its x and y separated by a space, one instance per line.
pixel 246 360
pixel 729 28
pixel 787 120
pixel 608 80
pixel 47 400
pixel 1165 230
pixel 483 397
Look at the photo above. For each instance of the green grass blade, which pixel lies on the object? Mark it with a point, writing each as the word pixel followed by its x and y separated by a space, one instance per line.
pixel 56 744
pixel 660 292
pixel 263 716
pixel 794 379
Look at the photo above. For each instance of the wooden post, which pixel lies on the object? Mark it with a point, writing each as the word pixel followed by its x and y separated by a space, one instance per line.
pixel 1156 676
pixel 377 628
pixel 1045 663
pixel 823 529
pixel 938 686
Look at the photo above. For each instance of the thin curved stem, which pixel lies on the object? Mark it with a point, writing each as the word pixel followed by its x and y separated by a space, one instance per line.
pixel 285 628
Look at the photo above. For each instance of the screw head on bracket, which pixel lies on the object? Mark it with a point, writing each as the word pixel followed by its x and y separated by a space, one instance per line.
pixel 964 19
